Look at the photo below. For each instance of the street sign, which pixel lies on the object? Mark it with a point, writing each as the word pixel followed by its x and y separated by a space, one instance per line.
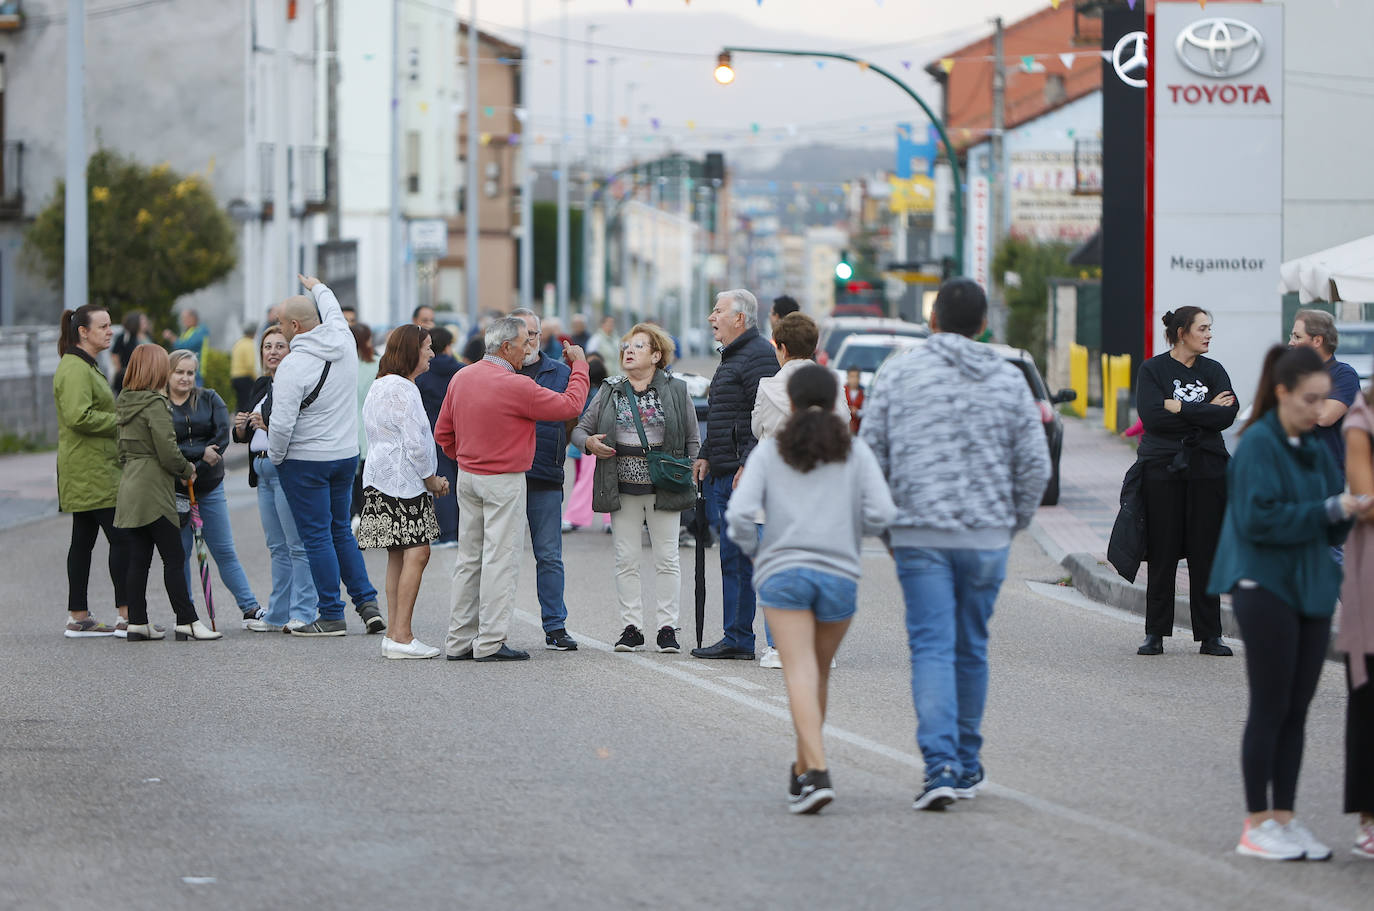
pixel 428 238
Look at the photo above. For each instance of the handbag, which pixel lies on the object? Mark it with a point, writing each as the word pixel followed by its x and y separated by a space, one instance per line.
pixel 669 472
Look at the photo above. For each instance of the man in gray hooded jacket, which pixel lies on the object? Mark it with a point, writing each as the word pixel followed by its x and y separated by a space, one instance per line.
pixel 961 443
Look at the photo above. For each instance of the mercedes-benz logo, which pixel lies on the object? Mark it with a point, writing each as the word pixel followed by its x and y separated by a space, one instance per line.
pixel 1138 61
pixel 1219 48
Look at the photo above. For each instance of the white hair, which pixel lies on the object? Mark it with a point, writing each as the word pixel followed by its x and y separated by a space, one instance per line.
pixel 742 301
pixel 505 329
pixel 523 312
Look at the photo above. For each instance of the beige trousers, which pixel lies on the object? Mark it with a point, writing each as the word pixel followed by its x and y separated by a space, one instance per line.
pixel 634 512
pixel 491 541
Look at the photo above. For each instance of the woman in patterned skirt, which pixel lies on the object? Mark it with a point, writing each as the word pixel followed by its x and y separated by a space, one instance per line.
pixel 400 481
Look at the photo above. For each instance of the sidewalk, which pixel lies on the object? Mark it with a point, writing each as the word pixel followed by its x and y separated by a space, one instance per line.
pixel 28 485
pixel 1076 532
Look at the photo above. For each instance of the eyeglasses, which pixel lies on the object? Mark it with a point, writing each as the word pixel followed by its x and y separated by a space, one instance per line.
pixel 636 346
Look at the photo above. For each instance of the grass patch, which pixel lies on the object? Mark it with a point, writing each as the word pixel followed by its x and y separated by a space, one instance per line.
pixel 11 443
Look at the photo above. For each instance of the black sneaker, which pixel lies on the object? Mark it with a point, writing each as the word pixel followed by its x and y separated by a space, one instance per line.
pixel 630 640
pixel 371 617
pixel 814 792
pixel 560 641
pixel 793 782
pixel 667 640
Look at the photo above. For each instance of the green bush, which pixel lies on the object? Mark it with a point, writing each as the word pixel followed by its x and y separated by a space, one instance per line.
pixel 215 374
pixel 1028 305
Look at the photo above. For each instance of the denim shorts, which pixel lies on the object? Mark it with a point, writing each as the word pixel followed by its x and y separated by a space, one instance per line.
pixel 830 597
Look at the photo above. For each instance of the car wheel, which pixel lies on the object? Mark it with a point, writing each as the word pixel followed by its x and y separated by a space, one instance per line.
pixel 1051 497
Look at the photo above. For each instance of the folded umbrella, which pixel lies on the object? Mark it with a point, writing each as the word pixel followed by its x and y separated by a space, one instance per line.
pixel 202 554
pixel 701 530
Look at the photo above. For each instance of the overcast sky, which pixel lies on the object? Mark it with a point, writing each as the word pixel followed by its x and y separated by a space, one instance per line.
pixel 658 55
pixel 836 21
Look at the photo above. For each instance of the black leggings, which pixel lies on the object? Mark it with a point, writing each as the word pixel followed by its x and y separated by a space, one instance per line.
pixel 1182 519
pixel 1359 742
pixel 1284 652
pixel 86 527
pixel 166 537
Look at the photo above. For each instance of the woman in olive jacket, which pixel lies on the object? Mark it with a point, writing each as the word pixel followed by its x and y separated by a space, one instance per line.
pixel 87 465
pixel 621 484
pixel 145 505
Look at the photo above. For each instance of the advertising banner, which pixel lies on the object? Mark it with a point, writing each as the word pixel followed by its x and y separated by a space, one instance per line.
pixel 1217 91
pixel 1044 203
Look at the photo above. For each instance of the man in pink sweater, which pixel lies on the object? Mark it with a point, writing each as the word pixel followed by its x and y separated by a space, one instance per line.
pixel 486 425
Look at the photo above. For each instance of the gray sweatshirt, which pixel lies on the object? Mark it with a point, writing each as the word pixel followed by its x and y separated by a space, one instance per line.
pixel 816 520
pixel 961 443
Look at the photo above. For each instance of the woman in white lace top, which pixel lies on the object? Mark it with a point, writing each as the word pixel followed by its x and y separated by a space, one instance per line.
pixel 399 482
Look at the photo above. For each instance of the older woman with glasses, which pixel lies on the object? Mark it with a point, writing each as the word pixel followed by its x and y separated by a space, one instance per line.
pixel 646 397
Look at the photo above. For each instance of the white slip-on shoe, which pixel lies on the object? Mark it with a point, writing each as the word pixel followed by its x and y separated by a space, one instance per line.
pixel 771 659
pixel 412 649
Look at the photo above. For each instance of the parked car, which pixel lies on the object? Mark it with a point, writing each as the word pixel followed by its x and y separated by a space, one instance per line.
pixel 866 352
pixel 1049 416
pixel 1356 348
pixel 835 329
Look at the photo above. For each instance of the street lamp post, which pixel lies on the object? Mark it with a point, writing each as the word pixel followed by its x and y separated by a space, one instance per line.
pixel 725 74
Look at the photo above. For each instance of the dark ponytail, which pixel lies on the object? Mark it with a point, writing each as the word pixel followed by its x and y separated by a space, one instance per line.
pixel 1177 322
pixel 73 321
pixel 814 434
pixel 1286 367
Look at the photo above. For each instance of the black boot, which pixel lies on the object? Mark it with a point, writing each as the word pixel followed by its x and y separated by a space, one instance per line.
pixel 1214 646
pixel 1153 645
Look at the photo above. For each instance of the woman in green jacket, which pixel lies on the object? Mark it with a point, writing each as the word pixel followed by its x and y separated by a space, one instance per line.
pixel 145 505
pixel 1285 510
pixel 87 465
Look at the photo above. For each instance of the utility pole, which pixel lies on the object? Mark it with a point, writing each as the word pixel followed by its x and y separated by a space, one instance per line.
pixel 74 249
pixel 563 136
pixel 331 151
pixel 526 176
pixel 587 119
pixel 394 261
pixel 284 282
pixel 998 182
pixel 473 220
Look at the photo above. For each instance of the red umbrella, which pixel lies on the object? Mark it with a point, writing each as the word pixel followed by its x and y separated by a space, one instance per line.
pixel 202 554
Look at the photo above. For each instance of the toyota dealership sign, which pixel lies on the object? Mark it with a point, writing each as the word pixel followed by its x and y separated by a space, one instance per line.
pixel 1216 184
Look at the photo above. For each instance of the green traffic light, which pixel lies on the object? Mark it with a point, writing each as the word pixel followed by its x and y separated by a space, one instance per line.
pixel 844 271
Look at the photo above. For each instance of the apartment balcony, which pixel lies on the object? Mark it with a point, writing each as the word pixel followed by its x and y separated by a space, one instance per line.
pixel 306 167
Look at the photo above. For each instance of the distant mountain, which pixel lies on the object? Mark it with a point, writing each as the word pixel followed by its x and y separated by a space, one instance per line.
pixel 820 163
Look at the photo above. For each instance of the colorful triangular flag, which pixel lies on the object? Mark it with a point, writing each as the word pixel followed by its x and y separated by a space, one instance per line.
pixel 947 64
pixel 863 65
pixel 1067 59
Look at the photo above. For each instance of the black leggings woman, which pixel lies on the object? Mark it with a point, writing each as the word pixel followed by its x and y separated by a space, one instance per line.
pixel 1285 513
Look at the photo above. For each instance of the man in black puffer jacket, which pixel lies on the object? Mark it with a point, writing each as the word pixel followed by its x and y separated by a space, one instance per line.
pixel 745 358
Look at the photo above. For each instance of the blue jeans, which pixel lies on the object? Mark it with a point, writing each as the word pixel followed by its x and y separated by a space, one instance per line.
pixel 446 508
pixel 736 569
pixel 319 494
pixel 949 597
pixel 830 597
pixel 219 539
pixel 544 510
pixel 293 590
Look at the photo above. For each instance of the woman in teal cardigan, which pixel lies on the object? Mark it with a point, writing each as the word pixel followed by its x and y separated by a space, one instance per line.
pixel 1285 510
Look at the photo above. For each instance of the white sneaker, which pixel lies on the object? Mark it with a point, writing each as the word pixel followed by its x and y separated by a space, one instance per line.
pixel 293 625
pixel 262 626
pixel 1268 841
pixel 412 649
pixel 771 658
pixel 1303 837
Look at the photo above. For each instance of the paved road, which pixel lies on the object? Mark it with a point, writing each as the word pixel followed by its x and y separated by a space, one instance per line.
pixel 267 771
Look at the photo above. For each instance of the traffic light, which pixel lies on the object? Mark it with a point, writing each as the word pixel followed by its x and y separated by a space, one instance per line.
pixel 843 270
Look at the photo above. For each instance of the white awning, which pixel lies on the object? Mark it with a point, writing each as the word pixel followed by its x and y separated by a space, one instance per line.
pixel 1340 273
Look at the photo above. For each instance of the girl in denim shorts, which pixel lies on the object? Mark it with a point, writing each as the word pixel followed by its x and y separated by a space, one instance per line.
pixel 821 491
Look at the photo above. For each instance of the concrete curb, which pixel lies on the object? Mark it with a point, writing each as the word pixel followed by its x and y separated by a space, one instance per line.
pixel 1099 580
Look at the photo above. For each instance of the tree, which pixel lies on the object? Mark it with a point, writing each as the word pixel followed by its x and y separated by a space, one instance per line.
pixel 154 236
pixel 546 250
pixel 1028 303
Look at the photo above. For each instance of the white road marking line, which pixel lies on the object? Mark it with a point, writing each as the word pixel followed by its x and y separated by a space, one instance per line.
pixel 741 683
pixel 1107 827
